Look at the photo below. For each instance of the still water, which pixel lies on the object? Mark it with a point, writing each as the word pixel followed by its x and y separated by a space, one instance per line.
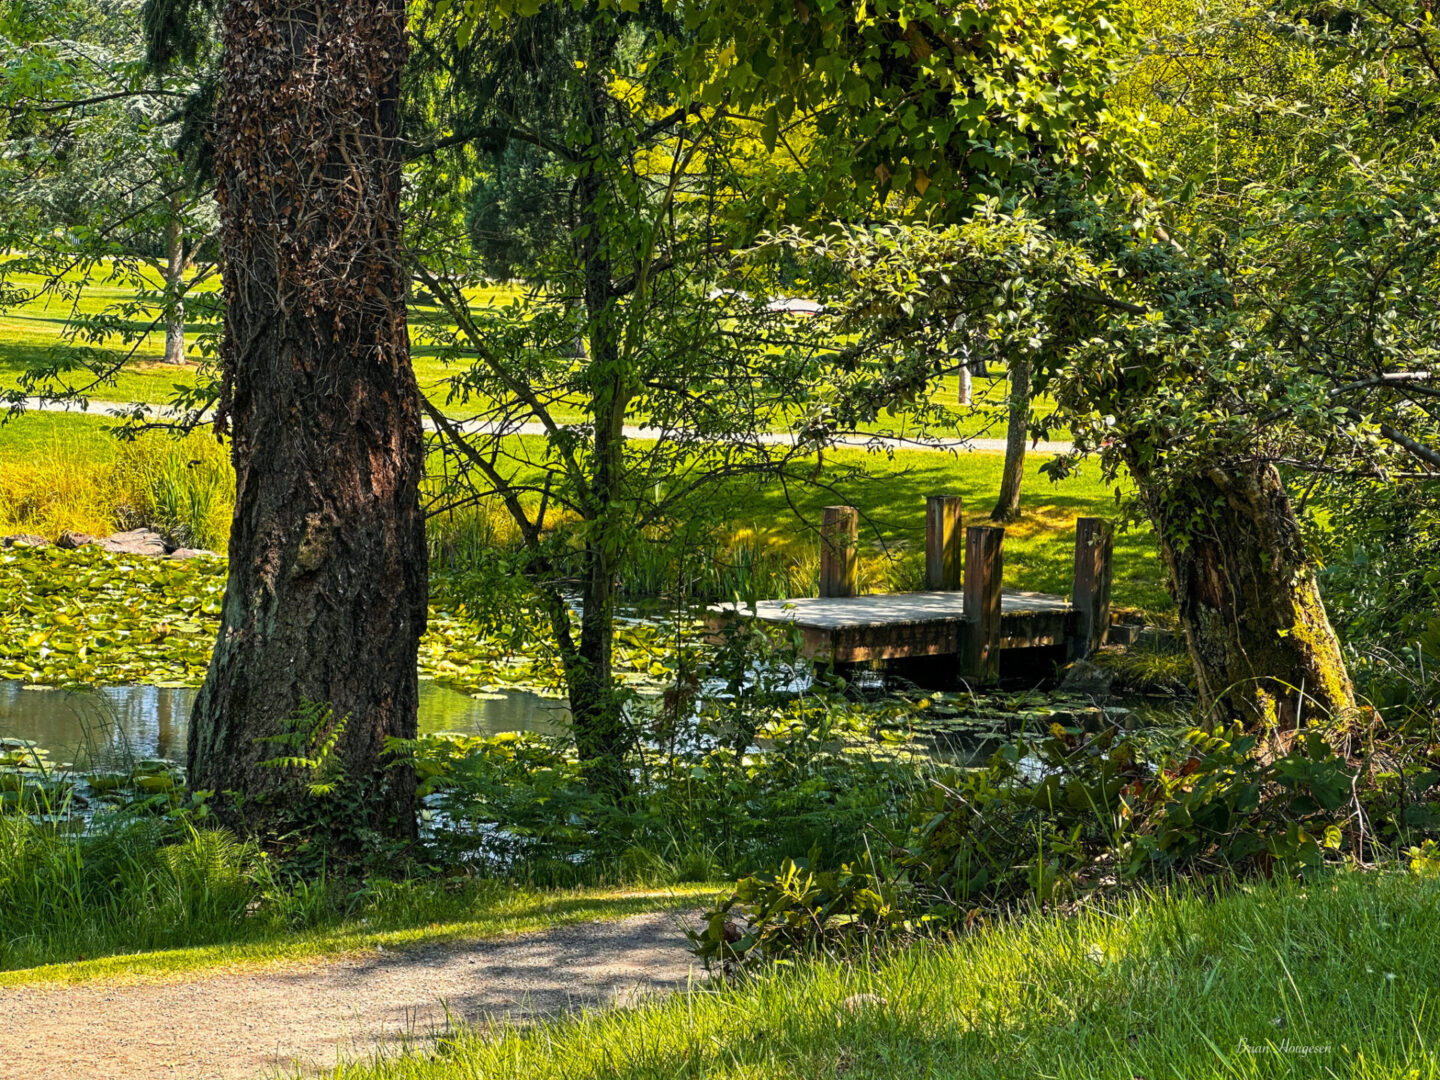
pixel 104 728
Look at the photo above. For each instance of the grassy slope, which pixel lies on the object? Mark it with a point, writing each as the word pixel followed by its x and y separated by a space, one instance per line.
pixel 1334 979
pixel 491 910
pixel 891 491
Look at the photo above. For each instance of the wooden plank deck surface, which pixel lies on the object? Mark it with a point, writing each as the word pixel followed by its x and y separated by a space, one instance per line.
pixel 889 609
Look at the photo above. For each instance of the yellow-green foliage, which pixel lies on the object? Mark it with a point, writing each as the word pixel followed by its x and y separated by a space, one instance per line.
pixel 61 487
pixel 184 489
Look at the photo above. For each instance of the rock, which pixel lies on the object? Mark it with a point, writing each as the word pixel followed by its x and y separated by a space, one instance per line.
pixel 1087 680
pixel 1123 634
pixel 135 542
pixel 191 553
pixel 23 540
pixel 73 541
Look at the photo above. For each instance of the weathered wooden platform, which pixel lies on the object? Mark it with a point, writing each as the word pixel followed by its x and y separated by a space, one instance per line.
pixel 896 626
pixel 963 614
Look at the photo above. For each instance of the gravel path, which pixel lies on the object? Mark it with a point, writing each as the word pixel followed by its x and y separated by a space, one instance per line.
pixel 259 1022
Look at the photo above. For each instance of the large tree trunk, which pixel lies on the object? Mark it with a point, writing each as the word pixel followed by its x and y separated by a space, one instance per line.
pixel 326 596
pixel 1256 627
pixel 174 287
pixel 1017 432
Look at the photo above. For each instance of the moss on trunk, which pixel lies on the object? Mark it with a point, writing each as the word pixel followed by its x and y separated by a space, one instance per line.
pixel 1262 645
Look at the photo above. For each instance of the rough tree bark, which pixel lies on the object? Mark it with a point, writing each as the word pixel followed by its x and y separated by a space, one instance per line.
pixel 326 596
pixel 1262 645
pixel 1017 431
pixel 174 284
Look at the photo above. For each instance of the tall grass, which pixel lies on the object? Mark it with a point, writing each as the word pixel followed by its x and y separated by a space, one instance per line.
pixel 1335 978
pixel 64 486
pixel 135 883
pixel 185 490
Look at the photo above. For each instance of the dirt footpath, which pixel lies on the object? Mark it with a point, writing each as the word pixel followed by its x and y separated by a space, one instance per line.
pixel 250 1024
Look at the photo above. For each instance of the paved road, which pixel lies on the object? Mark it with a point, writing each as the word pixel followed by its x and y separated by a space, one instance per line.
pixel 958 446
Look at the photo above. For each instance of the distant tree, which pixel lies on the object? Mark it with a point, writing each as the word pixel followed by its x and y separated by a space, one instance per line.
pixel 576 167
pixel 102 191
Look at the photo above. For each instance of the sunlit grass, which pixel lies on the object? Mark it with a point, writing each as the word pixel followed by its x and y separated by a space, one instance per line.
pixel 30 331
pixel 1334 979
pixel 890 490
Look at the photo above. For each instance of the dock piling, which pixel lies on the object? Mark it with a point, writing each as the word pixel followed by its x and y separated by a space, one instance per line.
pixel 944 539
pixel 984 571
pixel 839 537
pixel 1094 546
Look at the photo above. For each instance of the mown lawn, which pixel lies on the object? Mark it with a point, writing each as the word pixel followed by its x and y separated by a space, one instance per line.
pixel 1338 978
pixel 30 332
pixel 890 490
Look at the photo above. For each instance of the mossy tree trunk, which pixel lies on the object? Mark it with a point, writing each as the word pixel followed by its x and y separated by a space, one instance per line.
pixel 1262 645
pixel 326 597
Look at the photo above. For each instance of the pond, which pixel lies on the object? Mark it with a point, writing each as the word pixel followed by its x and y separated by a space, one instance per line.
pixel 104 728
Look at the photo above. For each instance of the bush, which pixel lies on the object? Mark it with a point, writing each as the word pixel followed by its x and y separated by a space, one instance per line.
pixel 1074 814
pixel 518 803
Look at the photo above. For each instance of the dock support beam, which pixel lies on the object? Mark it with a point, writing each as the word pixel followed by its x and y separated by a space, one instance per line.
pixel 984 570
pixel 839 537
pixel 944 533
pixel 1094 545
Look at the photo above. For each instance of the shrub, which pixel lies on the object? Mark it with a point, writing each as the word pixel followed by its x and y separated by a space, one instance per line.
pixel 1074 813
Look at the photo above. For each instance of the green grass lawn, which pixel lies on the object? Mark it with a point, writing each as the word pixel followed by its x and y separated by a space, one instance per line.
pixel 30 332
pixel 889 489
pixel 1334 979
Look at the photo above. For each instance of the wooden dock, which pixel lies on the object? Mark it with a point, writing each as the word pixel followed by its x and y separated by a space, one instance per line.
pixel 964 614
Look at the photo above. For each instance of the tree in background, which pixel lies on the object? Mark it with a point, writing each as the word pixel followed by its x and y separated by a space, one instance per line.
pixel 573 162
pixel 923 112
pixel 102 191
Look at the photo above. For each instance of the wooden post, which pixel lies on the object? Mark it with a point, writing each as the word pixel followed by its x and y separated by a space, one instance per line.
pixel 984 570
pixel 1094 545
pixel 944 537
pixel 839 535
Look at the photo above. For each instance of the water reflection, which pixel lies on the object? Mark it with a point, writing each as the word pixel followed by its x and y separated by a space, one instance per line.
pixel 104 728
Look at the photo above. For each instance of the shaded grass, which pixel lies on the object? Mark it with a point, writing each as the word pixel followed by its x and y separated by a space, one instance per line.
pixel 1335 978
pixel 416 915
